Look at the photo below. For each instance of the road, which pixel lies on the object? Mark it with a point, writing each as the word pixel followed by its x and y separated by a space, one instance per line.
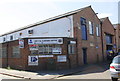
pixel 93 72
pixel 7 77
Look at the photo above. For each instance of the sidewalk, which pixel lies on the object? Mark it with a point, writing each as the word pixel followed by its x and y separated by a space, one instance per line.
pixel 48 74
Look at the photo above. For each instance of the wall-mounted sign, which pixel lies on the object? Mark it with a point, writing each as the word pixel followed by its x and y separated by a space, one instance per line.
pixel 33 47
pixel 21 43
pixel 61 58
pixel 33 60
pixel 56 50
pixel 72 42
pixel 46 41
pixel 45 56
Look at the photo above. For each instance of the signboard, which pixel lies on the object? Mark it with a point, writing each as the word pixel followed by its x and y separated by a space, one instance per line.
pixel 72 42
pixel 45 56
pixel 33 60
pixel 45 41
pixel 56 51
pixel 33 47
pixel 61 58
pixel 21 43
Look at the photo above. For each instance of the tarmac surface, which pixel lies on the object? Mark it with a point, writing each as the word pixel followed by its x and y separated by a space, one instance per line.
pixel 54 74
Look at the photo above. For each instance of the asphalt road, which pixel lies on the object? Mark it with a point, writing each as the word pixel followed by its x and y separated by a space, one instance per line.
pixel 92 72
pixel 7 77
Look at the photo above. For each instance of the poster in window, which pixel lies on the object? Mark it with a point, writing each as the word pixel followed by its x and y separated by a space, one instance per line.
pixel 61 58
pixel 56 51
pixel 33 47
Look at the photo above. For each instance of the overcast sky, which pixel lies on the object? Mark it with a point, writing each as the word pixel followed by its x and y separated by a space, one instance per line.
pixel 15 14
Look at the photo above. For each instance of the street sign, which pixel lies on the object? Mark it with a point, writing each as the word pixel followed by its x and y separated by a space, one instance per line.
pixel 32 60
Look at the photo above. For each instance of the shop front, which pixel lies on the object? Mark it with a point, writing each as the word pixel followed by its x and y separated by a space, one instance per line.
pixel 47 54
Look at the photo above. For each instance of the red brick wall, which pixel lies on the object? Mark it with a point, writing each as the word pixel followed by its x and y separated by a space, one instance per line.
pixel 92 53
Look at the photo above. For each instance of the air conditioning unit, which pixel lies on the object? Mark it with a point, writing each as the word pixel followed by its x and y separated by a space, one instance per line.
pixel 30 32
pixel 83 22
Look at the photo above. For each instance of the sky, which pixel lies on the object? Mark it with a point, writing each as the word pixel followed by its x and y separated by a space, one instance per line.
pixel 15 14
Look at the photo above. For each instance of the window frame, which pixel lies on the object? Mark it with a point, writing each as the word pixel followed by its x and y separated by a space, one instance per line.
pixel 83 29
pixel 14 52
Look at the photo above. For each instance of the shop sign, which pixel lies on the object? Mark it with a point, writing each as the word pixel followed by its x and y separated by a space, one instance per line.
pixel 61 58
pixel 46 41
pixel 45 56
pixel 33 47
pixel 56 51
pixel 21 43
pixel 33 60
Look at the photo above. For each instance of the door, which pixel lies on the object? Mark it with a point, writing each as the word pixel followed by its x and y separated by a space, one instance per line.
pixel 84 55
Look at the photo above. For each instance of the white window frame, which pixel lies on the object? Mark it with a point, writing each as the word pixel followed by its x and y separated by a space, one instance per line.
pixel 91 27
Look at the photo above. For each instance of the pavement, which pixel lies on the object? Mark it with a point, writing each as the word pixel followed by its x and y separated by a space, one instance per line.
pixel 50 74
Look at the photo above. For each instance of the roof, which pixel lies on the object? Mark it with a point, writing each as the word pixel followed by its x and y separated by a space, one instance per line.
pixel 48 20
pixel 103 19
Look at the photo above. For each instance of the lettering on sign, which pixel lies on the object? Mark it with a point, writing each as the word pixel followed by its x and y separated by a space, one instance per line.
pixel 45 41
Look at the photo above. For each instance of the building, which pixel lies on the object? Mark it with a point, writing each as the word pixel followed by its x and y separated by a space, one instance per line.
pixel 108 36
pixel 65 41
pixel 117 36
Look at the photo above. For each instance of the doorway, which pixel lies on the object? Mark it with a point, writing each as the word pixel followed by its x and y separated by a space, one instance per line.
pixel 84 50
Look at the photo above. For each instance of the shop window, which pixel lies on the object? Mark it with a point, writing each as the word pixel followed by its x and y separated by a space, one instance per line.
pixel 16 52
pixel 47 49
pixel 3 52
pixel 71 48
pixel 91 28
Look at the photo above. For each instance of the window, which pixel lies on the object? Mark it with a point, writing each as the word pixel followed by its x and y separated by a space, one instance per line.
pixel 4 39
pixel 47 49
pixel 16 52
pixel 91 28
pixel 3 52
pixel 108 39
pixel 83 28
pixel 11 37
pixel 98 30
pixel 71 48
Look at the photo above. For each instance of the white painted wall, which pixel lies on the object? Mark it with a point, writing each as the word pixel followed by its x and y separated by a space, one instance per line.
pixel 59 28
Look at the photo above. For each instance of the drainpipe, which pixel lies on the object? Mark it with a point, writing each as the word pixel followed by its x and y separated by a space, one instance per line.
pixel 102 42
pixel 7 54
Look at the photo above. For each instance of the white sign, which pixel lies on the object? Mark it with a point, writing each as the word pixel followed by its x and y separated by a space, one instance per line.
pixel 21 43
pixel 72 42
pixel 33 60
pixel 45 56
pixel 56 50
pixel 61 58
pixel 46 41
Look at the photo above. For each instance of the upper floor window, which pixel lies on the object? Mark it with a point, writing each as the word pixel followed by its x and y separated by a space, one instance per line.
pixel 108 39
pixel 98 30
pixel 83 28
pixel 4 39
pixel 11 37
pixel 91 28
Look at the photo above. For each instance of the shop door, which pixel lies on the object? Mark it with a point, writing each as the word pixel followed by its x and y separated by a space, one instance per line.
pixel 84 55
